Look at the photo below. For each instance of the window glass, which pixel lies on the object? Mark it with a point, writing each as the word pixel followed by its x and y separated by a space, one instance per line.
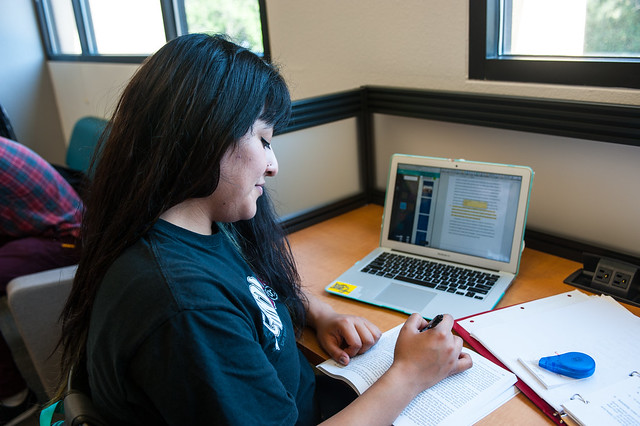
pixel 571 42
pixel 124 27
pixel 574 28
pixel 238 18
pixel 130 30
pixel 64 34
pixel 613 28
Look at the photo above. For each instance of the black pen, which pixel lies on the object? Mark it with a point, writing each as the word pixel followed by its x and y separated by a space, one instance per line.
pixel 433 322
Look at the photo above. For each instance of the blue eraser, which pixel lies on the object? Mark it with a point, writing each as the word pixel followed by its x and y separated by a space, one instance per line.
pixel 577 365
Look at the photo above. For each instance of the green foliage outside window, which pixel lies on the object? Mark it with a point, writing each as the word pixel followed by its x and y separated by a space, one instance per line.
pixel 240 19
pixel 613 28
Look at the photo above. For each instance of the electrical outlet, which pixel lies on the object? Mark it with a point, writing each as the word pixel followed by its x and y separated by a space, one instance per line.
pixel 621 280
pixel 616 278
pixel 603 275
pixel 608 276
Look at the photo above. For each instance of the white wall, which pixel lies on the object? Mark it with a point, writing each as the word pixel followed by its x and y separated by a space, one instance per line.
pixel 582 190
pixel 26 91
pixel 322 170
pixel 334 45
pixel 87 88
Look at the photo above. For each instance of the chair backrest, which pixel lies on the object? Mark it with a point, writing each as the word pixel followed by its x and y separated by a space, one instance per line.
pixel 36 301
pixel 6 129
pixel 84 138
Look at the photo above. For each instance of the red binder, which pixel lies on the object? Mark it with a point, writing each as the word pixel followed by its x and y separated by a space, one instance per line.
pixel 522 386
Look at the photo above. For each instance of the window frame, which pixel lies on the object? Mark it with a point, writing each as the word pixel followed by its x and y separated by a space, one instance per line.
pixel 485 64
pixel 174 22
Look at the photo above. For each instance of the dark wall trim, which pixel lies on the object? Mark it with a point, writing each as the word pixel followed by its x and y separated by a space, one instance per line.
pixel 323 213
pixel 324 109
pixel 570 249
pixel 611 123
pixel 327 109
pixel 590 121
pixel 582 120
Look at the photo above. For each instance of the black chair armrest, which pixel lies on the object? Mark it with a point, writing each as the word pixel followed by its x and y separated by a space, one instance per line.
pixel 79 410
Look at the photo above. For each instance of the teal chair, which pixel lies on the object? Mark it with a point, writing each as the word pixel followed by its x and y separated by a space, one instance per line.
pixel 84 138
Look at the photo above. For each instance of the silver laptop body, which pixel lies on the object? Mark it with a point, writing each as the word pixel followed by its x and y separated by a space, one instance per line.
pixel 468 217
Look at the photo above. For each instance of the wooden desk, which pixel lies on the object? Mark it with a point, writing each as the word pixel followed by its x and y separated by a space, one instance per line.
pixel 325 250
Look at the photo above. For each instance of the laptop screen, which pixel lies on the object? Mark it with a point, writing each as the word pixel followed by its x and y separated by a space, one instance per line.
pixel 462 211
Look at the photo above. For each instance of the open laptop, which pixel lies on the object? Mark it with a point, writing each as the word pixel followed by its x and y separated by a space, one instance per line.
pixel 459 223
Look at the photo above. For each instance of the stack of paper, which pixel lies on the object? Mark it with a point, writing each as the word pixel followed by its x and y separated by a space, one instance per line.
pixel 518 336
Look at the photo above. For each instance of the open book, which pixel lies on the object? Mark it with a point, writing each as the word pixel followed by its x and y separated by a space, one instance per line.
pixel 461 399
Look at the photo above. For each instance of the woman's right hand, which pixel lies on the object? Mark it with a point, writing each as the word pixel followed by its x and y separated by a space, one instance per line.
pixel 425 358
pixel 421 360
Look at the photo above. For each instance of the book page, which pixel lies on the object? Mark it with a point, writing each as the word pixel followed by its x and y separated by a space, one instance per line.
pixel 460 399
pixel 363 370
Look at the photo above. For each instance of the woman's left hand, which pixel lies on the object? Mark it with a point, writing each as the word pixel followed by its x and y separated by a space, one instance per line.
pixel 342 336
pixel 345 336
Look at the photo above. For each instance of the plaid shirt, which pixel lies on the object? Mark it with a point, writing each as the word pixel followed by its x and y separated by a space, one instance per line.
pixel 34 199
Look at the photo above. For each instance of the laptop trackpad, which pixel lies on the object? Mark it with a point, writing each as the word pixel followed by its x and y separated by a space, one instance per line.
pixel 407 297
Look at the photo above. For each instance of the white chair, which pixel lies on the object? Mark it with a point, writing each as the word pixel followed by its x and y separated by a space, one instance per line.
pixel 35 302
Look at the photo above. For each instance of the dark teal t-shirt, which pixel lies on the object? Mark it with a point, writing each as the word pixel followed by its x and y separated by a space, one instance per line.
pixel 182 332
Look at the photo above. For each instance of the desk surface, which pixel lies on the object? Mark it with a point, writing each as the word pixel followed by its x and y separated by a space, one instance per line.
pixel 325 250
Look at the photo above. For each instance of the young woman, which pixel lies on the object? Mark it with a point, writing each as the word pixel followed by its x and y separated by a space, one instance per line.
pixel 186 301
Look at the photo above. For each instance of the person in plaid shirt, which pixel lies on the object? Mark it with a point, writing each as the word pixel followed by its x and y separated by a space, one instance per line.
pixel 39 229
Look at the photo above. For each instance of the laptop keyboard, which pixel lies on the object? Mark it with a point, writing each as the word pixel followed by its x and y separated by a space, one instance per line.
pixel 438 276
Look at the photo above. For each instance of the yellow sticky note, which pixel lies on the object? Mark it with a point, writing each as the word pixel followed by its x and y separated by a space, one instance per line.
pixel 343 288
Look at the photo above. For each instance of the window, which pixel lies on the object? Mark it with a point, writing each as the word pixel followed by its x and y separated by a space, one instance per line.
pixel 128 31
pixel 240 18
pixel 576 42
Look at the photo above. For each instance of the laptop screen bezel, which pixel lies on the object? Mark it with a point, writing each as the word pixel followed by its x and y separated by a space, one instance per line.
pixel 525 173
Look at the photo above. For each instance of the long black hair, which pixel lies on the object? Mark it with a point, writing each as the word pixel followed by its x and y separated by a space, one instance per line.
pixel 182 110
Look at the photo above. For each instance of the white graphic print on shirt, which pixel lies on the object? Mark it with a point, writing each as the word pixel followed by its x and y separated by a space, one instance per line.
pixel 270 317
